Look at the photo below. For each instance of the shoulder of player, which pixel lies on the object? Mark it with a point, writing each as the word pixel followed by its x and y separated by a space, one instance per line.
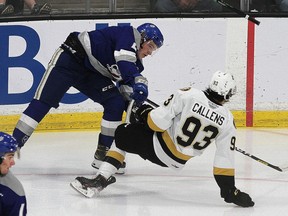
pixel 10 181
pixel 190 92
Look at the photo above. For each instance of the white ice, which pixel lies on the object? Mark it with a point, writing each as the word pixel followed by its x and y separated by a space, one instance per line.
pixel 50 161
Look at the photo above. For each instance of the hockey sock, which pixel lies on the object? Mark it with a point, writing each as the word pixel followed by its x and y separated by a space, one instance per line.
pixel 106 170
pixel 29 120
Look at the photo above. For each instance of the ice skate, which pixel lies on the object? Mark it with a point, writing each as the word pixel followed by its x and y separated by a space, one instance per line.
pixel 91 187
pixel 41 9
pixel 6 10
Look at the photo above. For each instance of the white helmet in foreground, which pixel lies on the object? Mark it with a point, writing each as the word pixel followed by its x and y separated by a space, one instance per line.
pixel 223 84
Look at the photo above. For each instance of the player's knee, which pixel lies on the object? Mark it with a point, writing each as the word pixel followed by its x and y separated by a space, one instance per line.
pixel 37 110
pixel 114 108
pixel 121 136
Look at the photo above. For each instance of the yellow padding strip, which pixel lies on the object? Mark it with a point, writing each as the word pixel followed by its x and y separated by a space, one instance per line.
pixel 92 120
pixel 270 119
pixel 172 148
pixel 115 155
pixel 222 171
pixel 58 122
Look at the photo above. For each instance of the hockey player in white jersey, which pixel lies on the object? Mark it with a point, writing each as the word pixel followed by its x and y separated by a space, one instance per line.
pixel 180 129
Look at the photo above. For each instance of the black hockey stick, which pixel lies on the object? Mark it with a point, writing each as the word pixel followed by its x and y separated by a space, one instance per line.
pixel 241 13
pixel 284 169
pixel 152 103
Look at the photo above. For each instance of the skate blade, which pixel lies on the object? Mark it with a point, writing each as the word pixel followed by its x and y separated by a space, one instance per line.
pixel 76 185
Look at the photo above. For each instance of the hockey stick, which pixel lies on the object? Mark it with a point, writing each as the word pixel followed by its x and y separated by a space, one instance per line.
pixel 241 13
pixel 152 103
pixel 129 110
pixel 284 169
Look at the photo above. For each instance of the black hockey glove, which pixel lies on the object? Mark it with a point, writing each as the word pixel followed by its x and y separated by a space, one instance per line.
pixel 133 116
pixel 239 198
pixel 142 113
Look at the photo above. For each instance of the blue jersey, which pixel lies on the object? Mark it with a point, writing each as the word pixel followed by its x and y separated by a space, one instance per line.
pixel 12 196
pixel 112 51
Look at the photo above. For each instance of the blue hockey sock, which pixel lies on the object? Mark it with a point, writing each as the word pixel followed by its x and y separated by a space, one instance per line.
pixel 29 120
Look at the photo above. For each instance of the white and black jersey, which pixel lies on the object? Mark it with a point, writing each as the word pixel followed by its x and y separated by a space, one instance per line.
pixel 186 124
pixel 178 130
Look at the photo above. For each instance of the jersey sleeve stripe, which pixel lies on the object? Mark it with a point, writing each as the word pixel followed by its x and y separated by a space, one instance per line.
pixel 169 148
pixel 222 171
pixel 152 125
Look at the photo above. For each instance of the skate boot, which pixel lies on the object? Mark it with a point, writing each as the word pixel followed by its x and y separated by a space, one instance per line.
pixel 6 10
pixel 41 9
pixel 99 157
pixel 91 187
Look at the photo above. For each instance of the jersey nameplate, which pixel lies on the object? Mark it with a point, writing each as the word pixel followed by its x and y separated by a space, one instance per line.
pixel 208 113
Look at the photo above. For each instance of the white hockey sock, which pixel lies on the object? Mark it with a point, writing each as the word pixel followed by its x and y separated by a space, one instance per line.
pixel 107 170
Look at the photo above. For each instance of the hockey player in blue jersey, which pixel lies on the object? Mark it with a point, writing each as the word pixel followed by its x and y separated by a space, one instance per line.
pixel 93 62
pixel 12 195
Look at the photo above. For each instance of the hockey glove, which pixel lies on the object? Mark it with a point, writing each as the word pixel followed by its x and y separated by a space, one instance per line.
pixel 142 113
pixel 239 198
pixel 140 90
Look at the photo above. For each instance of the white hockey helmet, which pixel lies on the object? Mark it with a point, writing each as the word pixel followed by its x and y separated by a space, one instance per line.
pixel 223 84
